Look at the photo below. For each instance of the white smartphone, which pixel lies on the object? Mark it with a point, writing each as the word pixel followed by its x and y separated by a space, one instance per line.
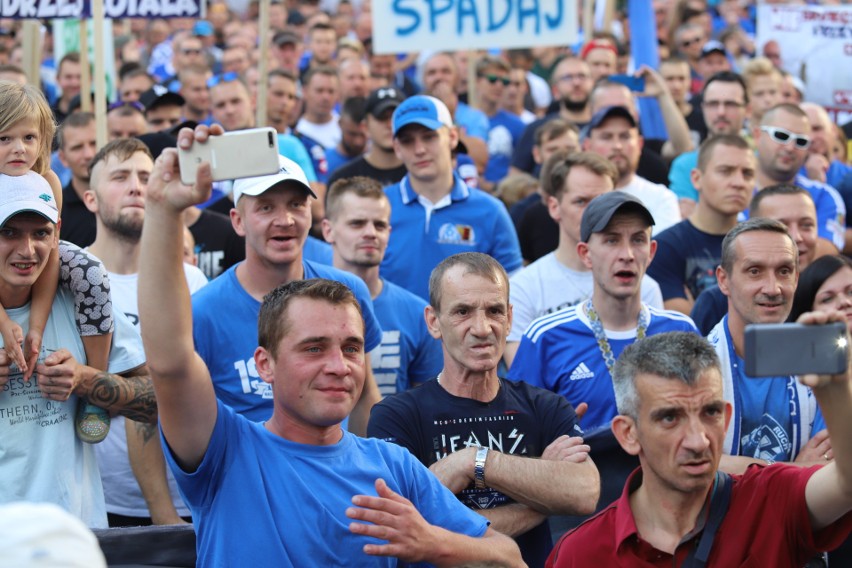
pixel 233 155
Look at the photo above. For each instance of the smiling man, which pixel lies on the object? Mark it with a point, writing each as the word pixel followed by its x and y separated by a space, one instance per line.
pixel 677 509
pixel 314 491
pixel 572 351
pixel 778 419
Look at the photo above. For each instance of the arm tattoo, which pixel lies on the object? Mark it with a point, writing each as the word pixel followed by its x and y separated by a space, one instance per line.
pixel 146 431
pixel 132 397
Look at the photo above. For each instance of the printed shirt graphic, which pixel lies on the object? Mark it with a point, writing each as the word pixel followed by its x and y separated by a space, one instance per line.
pixel 467 220
pixel 408 355
pixel 522 421
pixel 686 259
pixel 42 458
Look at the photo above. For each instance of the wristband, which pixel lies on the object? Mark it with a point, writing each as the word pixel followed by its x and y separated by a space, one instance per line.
pixel 479 468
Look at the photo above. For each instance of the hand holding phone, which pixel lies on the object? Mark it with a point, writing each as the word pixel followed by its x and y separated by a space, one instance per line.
pixel 233 155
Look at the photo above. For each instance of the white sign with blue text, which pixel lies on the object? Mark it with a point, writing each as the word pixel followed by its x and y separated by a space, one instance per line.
pixel 403 26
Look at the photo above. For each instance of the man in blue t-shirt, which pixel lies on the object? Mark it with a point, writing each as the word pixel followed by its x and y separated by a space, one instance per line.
pixel 504 128
pixel 298 480
pixel 572 351
pixel 688 252
pixel 357 225
pixel 469 415
pixel 273 213
pixel 434 213
pixel 774 419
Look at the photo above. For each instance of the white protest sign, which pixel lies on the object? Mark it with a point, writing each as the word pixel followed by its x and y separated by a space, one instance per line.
pixel 112 8
pixel 816 45
pixel 402 26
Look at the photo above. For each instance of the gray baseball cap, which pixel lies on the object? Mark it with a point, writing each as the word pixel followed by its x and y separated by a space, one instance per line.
pixel 601 209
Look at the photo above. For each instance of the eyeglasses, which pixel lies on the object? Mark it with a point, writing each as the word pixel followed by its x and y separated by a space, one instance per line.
pixel 121 104
pixel 727 105
pixel 785 137
pixel 222 78
pixel 494 78
pixel 573 77
pixel 688 42
pixel 191 51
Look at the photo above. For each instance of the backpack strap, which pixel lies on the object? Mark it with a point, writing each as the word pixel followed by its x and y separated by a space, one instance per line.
pixel 719 501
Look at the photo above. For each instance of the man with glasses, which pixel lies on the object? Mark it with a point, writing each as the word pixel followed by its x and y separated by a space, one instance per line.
pixel 725 105
pixel 504 129
pixel 689 39
pixel 572 87
pixel 782 141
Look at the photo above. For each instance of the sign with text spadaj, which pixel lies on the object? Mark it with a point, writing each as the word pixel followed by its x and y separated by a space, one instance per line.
pixel 448 25
pixel 26 9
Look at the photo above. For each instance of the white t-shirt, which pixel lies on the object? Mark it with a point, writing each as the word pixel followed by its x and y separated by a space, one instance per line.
pixel 547 285
pixel 327 134
pixel 660 201
pixel 121 491
pixel 43 461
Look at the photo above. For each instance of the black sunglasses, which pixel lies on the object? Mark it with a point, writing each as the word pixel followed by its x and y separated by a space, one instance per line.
pixel 494 78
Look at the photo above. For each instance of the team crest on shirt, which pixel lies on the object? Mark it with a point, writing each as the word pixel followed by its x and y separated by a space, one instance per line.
pixel 450 233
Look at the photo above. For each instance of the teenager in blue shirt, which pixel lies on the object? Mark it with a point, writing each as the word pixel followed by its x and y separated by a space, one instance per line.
pixel 433 212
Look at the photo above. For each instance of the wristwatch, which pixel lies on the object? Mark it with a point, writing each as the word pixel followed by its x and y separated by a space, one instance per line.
pixel 479 468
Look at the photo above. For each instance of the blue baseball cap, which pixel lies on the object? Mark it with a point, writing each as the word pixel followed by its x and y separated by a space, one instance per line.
pixel 423 110
pixel 202 28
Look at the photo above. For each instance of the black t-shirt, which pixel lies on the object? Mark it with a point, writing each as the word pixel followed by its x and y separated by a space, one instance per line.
pixel 78 223
pixel 522 420
pixel 217 245
pixel 538 233
pixel 361 167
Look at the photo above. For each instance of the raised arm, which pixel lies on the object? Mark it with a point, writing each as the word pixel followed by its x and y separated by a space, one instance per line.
pixel 187 402
pixel 829 490
pixel 676 127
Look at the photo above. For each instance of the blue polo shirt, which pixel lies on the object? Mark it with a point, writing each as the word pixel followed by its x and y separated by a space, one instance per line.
pixel 466 220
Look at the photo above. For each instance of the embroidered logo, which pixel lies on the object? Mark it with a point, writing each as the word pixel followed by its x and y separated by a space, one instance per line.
pixel 581 372
pixel 456 234
pixel 45 197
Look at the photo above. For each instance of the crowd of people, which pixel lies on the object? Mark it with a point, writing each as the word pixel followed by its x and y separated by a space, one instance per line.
pixel 475 318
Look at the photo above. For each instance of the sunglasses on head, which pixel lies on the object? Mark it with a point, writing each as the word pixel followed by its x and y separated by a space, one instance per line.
pixel 222 78
pixel 494 78
pixel 785 137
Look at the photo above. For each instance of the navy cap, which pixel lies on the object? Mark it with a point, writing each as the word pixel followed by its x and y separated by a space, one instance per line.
pixel 601 209
pixel 159 95
pixel 382 99
pixel 606 113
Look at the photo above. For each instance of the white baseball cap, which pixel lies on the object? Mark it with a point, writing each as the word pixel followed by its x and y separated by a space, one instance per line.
pixel 288 171
pixel 27 193
pixel 42 534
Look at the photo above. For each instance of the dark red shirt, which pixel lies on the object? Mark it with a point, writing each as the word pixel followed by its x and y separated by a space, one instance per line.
pixel 767 524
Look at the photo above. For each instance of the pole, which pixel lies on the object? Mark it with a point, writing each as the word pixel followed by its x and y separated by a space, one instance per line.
pixel 100 73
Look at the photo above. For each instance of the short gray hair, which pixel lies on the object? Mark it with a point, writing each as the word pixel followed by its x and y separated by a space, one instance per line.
pixel 474 263
pixel 729 255
pixel 676 355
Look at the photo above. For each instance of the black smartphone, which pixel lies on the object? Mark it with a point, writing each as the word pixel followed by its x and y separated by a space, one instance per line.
pixel 781 349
